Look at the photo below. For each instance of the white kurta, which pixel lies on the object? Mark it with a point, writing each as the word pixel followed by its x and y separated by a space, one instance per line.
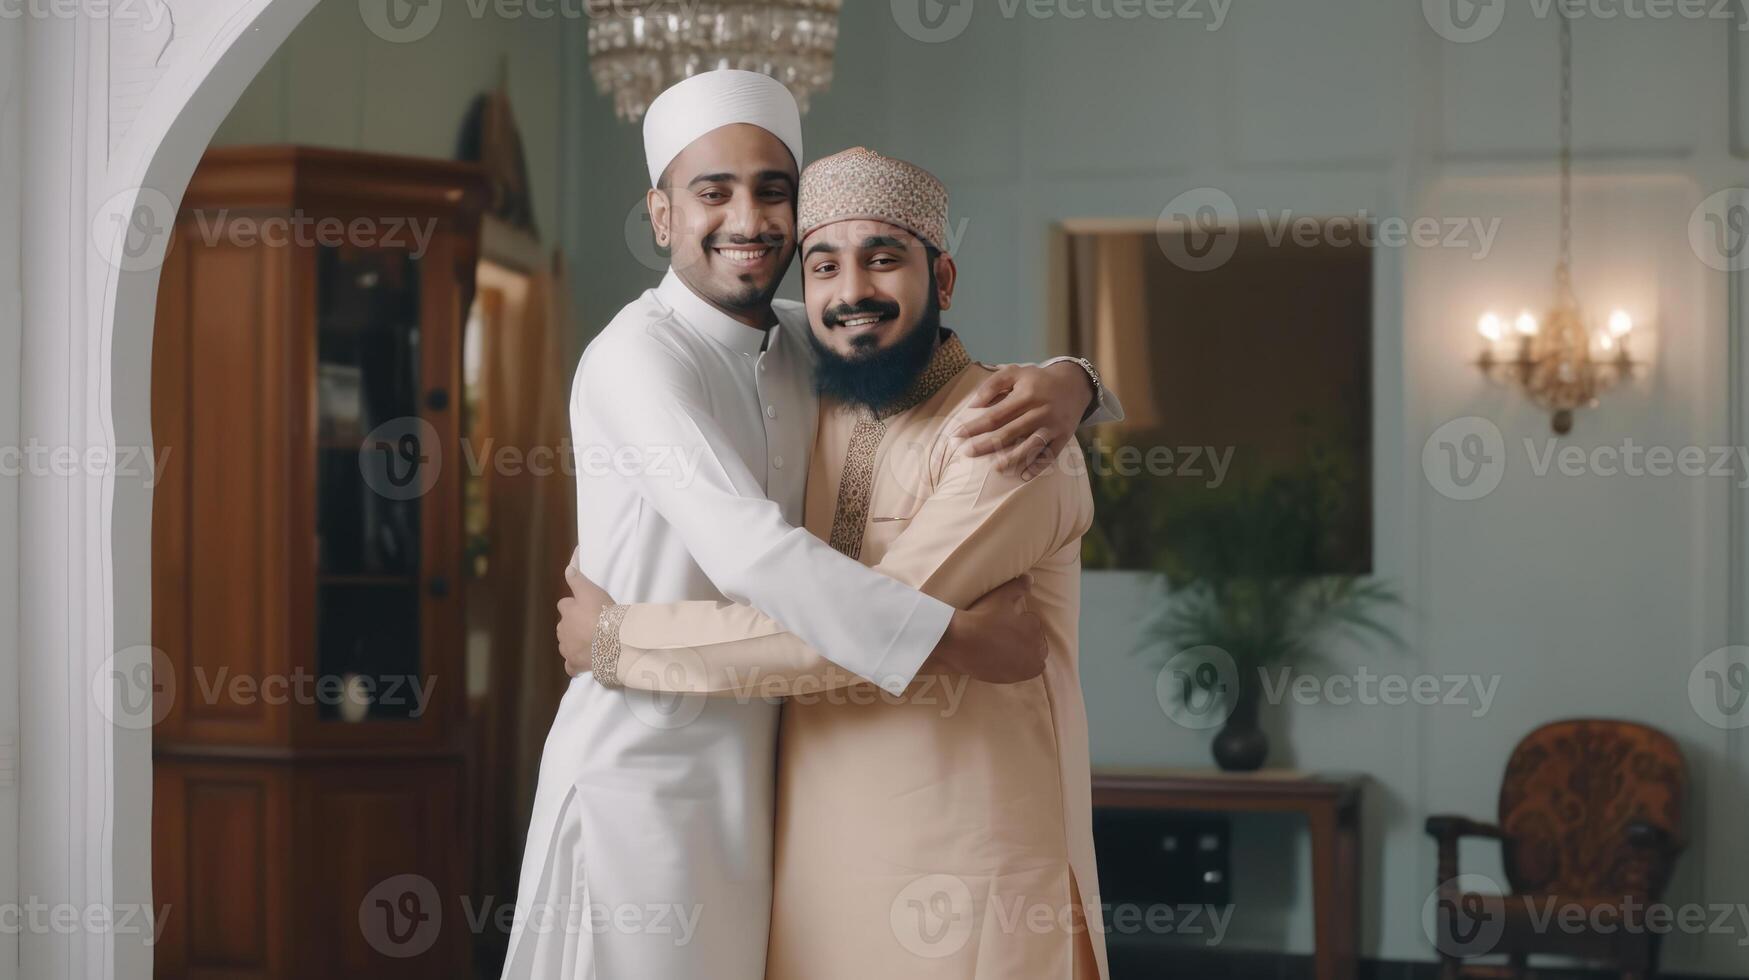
pixel 649 850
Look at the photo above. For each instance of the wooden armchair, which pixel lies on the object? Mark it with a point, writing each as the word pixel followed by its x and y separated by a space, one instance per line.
pixel 1591 820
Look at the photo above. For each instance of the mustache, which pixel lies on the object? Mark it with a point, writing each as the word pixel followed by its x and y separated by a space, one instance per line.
pixel 868 307
pixel 717 239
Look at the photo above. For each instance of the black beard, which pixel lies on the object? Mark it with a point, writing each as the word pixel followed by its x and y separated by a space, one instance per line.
pixel 879 378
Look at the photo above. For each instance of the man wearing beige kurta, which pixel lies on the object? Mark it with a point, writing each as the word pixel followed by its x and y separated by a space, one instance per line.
pixel 945 833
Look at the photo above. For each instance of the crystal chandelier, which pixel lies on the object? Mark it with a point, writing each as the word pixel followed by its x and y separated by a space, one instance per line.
pixel 637 48
pixel 1560 364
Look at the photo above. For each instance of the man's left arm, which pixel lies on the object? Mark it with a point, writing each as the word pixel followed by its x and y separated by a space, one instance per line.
pixel 977 529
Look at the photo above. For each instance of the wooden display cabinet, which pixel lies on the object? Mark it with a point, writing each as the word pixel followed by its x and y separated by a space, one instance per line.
pixel 310 769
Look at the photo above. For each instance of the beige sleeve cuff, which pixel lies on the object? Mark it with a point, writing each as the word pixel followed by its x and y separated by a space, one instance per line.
pixel 604 649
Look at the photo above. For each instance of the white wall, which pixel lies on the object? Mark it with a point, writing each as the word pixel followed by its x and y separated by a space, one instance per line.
pixel 11 299
pixel 1593 595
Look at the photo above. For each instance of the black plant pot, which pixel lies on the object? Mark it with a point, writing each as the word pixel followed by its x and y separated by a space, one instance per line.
pixel 1241 746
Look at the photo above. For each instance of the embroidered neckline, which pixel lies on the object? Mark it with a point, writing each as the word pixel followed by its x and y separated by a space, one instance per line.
pixel 856 487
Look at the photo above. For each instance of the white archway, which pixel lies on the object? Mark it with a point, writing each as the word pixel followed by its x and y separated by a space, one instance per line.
pixel 118 101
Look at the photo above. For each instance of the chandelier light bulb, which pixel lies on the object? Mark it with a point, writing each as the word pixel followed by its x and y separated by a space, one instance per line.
pixel 1526 324
pixel 1606 339
pixel 1620 323
pixel 1489 327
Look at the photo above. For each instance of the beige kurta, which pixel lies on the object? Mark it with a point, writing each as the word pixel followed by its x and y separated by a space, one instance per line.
pixel 945 834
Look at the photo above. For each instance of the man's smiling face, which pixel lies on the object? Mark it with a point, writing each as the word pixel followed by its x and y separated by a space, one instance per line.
pixel 869 285
pixel 727 208
pixel 874 294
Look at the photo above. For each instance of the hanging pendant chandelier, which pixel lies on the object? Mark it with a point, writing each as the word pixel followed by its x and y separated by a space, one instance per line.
pixel 637 48
pixel 1560 363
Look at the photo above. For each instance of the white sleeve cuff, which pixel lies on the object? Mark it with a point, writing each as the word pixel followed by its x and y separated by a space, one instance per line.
pixel 917 639
pixel 1108 410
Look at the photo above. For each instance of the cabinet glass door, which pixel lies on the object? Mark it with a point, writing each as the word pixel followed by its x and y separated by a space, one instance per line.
pixel 371 474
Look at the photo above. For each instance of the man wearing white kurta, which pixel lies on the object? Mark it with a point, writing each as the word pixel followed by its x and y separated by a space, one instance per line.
pixel 649 854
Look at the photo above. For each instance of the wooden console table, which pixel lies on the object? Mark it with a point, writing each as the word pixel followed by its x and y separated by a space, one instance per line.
pixel 1331 804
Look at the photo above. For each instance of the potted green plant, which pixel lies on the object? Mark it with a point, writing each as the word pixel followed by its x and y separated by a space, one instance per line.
pixel 1258 573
